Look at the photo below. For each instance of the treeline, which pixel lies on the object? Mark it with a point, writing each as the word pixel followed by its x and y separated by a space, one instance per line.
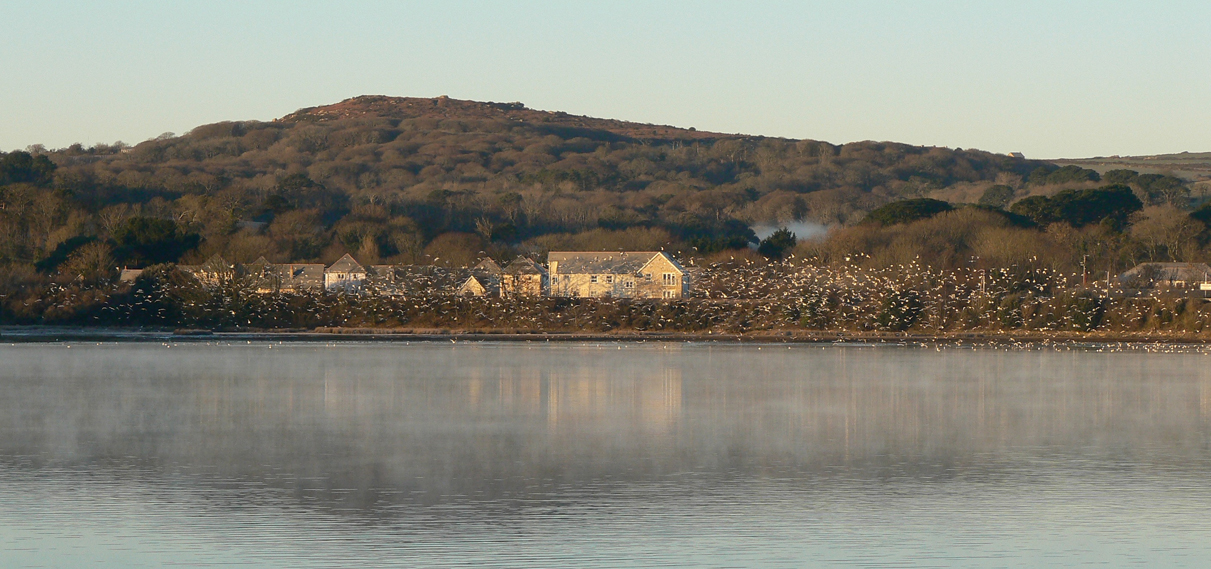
pixel 1108 225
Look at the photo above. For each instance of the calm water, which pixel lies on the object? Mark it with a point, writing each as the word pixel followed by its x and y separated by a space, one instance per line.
pixel 601 455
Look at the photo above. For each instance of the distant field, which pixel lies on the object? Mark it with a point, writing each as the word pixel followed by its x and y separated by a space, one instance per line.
pixel 1192 166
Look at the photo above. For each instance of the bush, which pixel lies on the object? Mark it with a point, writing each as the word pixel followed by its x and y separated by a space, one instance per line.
pixel 907 211
pixel 997 196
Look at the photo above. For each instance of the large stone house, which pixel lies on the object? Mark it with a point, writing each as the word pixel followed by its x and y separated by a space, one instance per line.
pixel 345 275
pixel 627 274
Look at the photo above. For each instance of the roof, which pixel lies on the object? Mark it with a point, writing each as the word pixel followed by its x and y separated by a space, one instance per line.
pixel 300 275
pixel 488 286
pixel 216 264
pixel 524 266
pixel 1158 272
pixel 488 266
pixel 600 262
pixel 420 279
pixel 346 264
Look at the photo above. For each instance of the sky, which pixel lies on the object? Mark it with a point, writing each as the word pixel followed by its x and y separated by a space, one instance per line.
pixel 1062 79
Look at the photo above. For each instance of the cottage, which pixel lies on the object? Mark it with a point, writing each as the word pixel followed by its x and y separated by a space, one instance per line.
pixel 523 277
pixel 627 274
pixel 1166 276
pixel 345 275
pixel 214 272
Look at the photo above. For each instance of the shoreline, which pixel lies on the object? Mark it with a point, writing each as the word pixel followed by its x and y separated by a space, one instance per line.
pixel 51 334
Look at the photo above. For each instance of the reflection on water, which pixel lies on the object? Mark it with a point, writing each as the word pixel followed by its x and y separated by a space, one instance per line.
pixel 600 455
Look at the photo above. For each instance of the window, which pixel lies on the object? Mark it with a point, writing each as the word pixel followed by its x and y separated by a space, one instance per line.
pixel 609 279
pixel 554 279
pixel 670 294
pixel 593 278
pixel 628 284
pixel 647 276
pixel 670 279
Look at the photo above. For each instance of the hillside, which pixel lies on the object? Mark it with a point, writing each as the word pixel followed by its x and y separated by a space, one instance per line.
pixel 1190 166
pixel 444 180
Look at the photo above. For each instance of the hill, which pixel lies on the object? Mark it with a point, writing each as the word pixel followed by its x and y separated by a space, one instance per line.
pixel 445 180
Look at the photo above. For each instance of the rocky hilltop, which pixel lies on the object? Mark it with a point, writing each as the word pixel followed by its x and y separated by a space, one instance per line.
pixel 399 108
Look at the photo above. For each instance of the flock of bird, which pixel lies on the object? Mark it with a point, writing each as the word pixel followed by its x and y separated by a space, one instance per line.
pixel 727 297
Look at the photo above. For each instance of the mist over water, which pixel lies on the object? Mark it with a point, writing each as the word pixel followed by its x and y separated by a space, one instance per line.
pixel 600 455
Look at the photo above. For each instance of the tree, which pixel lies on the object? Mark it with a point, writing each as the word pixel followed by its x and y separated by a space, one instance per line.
pixel 1065 175
pixel 1159 189
pixel 23 168
pixel 1124 177
pixel 907 211
pixel 151 241
pixel 1037 208
pixel 1166 233
pixel 997 196
pixel 1078 208
pixel 777 244
pixel 92 262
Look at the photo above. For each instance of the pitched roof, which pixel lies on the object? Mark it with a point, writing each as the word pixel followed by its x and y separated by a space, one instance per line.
pixel 216 264
pixel 487 265
pixel 476 284
pixel 418 279
pixel 346 264
pixel 1160 272
pixel 298 275
pixel 666 257
pixel 602 262
pixel 524 266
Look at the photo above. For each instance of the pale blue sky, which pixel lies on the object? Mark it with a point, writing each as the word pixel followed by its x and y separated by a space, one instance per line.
pixel 1051 79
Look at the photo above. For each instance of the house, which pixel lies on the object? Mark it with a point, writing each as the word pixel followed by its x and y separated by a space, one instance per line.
pixel 626 274
pixel 265 277
pixel 523 277
pixel 345 275
pixel 1166 276
pixel 129 275
pixel 214 272
pixel 299 277
pixel 479 286
pixel 262 275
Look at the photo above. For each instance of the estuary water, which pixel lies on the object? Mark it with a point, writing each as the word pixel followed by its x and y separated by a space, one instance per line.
pixel 601 455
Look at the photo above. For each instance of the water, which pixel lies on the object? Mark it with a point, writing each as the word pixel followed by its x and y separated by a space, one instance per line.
pixel 601 455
